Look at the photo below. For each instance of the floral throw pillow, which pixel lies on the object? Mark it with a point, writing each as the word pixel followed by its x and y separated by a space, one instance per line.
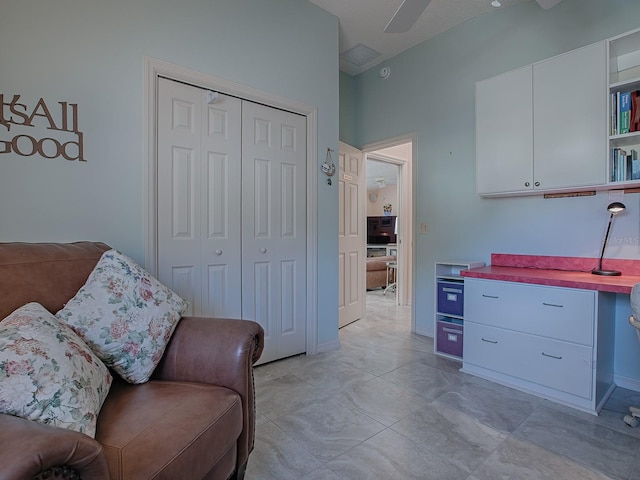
pixel 125 315
pixel 47 373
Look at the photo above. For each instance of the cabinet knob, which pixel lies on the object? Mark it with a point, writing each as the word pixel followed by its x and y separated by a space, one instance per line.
pixel 527 184
pixel 537 184
pixel 263 250
pixel 218 252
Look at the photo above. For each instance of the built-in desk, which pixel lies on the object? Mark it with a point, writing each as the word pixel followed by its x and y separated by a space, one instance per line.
pixel 545 325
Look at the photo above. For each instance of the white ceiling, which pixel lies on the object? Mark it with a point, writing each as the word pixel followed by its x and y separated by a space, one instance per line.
pixel 363 22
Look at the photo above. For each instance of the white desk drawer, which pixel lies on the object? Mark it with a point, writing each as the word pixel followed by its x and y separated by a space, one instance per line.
pixel 560 365
pixel 561 313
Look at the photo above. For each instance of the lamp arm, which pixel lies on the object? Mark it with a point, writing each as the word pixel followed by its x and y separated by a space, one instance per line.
pixel 604 244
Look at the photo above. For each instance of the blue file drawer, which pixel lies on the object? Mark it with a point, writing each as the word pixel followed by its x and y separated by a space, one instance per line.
pixel 450 337
pixel 450 298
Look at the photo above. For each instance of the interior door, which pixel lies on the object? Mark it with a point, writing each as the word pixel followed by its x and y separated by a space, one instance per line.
pixel 274 227
pixel 351 235
pixel 199 168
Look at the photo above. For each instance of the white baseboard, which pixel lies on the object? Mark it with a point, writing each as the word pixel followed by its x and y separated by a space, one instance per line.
pixel 329 346
pixel 627 382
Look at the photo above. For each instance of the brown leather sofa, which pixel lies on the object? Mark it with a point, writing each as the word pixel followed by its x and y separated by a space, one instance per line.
pixel 193 420
pixel 377 271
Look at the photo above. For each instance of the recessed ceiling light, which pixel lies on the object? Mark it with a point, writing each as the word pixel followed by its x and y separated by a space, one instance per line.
pixel 496 3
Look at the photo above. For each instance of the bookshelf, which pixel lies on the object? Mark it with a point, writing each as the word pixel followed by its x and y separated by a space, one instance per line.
pixel 624 78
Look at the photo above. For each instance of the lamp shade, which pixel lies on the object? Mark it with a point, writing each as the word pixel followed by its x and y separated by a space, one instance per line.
pixel 616 207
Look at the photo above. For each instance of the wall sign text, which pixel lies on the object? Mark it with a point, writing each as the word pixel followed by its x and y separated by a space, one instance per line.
pixel 59 118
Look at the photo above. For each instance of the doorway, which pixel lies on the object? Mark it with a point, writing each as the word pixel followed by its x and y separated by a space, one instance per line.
pixel 389 165
pixel 398 154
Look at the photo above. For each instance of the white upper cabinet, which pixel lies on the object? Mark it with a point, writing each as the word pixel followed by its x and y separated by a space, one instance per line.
pixel 504 125
pixel 570 119
pixel 543 127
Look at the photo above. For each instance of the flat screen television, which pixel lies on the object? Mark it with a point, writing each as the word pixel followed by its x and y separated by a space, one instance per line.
pixel 381 230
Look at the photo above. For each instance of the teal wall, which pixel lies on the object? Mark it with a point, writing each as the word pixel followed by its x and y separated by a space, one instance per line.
pixel 431 92
pixel 92 53
pixel 347 108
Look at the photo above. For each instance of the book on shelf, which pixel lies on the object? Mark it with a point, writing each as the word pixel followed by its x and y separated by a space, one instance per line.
pixel 635 164
pixel 617 113
pixel 634 122
pixel 620 165
pixel 625 112
pixel 613 115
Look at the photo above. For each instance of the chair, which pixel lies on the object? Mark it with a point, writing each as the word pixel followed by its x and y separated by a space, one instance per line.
pixel 633 419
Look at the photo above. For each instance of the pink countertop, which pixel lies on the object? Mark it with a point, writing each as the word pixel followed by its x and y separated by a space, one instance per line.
pixel 572 272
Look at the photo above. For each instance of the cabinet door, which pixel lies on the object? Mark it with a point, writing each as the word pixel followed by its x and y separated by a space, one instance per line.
pixel 570 119
pixel 504 126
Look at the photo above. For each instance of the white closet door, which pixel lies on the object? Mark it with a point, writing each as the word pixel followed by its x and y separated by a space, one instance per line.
pixel 199 168
pixel 274 227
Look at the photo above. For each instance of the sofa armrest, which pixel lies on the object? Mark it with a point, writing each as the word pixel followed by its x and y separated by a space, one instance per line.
pixel 218 352
pixel 29 449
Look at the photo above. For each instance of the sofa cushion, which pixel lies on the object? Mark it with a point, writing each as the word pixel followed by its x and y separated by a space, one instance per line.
pixel 162 429
pixel 379 263
pixel 47 373
pixel 125 315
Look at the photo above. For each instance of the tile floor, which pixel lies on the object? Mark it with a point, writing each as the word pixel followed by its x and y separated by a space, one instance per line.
pixel 385 407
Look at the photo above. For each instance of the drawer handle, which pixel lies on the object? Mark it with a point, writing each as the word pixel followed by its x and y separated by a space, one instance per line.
pixel 552 305
pixel 490 296
pixel 453 290
pixel 450 330
pixel 551 356
pixel 489 341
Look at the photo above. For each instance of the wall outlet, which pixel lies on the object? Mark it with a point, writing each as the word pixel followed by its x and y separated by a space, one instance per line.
pixel 423 228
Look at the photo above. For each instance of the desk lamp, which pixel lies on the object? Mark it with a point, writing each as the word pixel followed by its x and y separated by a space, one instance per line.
pixel 614 208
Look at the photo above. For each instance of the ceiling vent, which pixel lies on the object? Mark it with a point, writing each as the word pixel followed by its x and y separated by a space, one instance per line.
pixel 359 55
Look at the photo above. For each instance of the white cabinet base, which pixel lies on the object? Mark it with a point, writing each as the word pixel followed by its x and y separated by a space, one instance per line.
pixel 554 342
pixel 547 393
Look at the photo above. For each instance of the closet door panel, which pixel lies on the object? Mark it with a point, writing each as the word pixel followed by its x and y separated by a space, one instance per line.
pixel 221 247
pixel 274 227
pixel 199 168
pixel 179 125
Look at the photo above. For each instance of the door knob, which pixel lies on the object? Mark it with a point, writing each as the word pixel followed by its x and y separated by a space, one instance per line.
pixel 526 184
pixel 263 250
pixel 218 252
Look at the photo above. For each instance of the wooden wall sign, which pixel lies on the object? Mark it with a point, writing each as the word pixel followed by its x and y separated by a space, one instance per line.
pixel 62 118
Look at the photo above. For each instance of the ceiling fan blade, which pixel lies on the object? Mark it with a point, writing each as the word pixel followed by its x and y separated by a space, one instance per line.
pixel 546 4
pixel 406 15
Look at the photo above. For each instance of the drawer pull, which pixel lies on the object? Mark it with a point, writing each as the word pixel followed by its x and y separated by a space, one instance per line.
pixel 552 305
pixel 489 341
pixel 452 290
pixel 551 356
pixel 490 296
pixel 451 330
